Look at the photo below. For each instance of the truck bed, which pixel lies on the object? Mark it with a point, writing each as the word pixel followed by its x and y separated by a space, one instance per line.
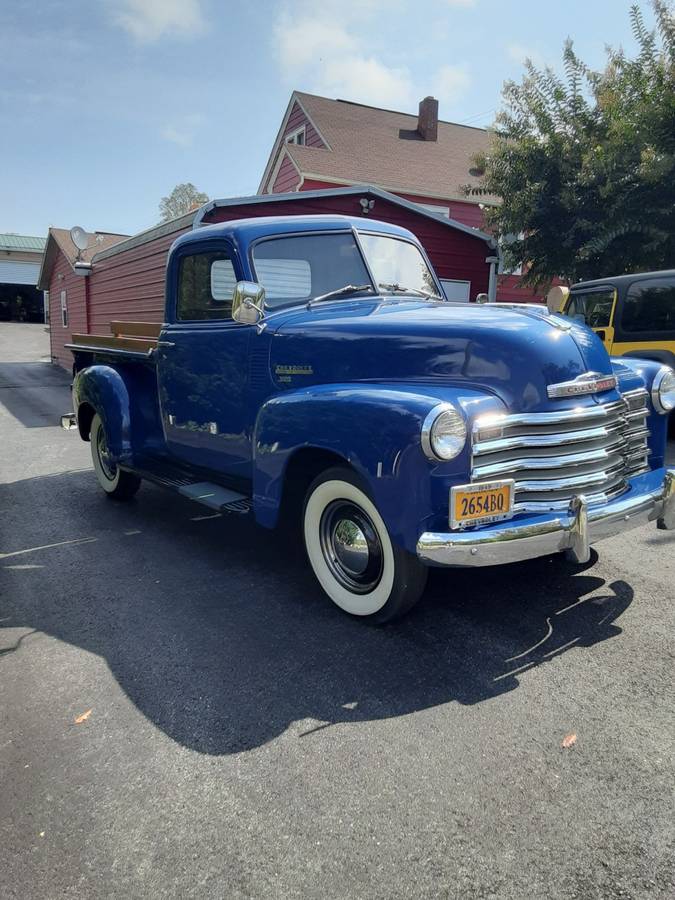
pixel 139 338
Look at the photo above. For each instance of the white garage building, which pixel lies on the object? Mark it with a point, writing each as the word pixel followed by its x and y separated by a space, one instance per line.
pixel 20 259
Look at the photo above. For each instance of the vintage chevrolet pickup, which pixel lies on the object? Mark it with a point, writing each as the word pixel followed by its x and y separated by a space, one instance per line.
pixel 311 367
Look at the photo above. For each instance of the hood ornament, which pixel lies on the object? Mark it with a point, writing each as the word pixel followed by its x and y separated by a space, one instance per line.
pixel 588 383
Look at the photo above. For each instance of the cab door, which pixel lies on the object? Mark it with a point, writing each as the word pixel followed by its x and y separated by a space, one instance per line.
pixel 595 307
pixel 202 362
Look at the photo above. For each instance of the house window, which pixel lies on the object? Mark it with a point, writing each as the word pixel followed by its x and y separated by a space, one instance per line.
pixel 504 240
pixel 456 290
pixel 297 136
pixel 45 302
pixel 64 309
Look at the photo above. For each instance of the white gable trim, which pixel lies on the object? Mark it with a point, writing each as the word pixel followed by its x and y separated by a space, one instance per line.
pixel 284 154
pixel 279 138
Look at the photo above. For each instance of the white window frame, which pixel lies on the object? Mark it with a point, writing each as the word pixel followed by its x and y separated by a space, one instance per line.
pixel 299 136
pixel 457 281
pixel 64 309
pixel 45 306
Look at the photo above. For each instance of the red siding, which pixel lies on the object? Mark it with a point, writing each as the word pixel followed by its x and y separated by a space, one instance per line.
pixel 64 279
pixel 296 120
pixel 287 178
pixel 130 285
pixel 454 255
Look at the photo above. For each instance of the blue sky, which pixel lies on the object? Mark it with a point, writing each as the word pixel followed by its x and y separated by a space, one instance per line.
pixel 105 105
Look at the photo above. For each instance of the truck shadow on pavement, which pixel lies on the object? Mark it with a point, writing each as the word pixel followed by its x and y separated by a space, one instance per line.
pixel 217 632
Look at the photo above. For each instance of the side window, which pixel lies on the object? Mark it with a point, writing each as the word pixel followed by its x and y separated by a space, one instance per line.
pixel 205 286
pixel 650 306
pixel 593 308
pixel 64 309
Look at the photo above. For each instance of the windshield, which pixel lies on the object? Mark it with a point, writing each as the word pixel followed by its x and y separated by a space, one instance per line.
pixel 397 264
pixel 593 308
pixel 298 268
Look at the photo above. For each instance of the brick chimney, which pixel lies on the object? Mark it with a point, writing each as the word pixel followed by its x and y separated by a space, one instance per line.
pixel 427 120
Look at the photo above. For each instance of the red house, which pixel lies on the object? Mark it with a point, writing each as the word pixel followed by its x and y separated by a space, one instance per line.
pixel 325 143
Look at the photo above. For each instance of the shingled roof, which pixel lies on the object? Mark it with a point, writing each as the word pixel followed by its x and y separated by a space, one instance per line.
pixel 369 145
pixel 59 239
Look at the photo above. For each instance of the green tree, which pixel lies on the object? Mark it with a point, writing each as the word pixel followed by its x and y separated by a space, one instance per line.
pixel 584 165
pixel 182 199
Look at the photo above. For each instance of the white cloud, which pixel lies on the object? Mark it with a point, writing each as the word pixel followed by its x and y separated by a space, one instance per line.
pixel 323 51
pixel 149 20
pixel 518 53
pixel 331 50
pixel 183 132
pixel 451 83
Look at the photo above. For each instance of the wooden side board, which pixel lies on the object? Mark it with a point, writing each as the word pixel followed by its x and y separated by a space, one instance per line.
pixel 135 329
pixel 140 345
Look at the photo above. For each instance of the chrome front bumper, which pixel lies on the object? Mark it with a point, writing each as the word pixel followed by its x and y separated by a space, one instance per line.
pixel 651 497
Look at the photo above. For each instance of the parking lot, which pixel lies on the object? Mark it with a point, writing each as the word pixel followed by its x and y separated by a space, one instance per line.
pixel 240 737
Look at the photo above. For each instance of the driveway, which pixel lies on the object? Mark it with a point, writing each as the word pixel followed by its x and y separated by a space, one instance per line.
pixel 184 715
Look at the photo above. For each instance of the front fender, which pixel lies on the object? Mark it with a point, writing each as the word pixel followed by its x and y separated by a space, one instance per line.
pixel 103 389
pixel 376 428
pixel 634 373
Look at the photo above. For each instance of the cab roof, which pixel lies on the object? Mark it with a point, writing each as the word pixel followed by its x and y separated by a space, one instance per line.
pixel 619 280
pixel 246 231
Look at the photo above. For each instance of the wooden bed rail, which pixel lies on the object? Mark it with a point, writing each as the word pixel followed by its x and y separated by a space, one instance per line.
pixel 140 337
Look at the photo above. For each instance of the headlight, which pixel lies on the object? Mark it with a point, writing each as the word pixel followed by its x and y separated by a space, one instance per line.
pixel 443 432
pixel 663 390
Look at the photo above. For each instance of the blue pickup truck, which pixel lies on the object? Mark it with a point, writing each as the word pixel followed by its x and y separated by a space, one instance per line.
pixel 310 367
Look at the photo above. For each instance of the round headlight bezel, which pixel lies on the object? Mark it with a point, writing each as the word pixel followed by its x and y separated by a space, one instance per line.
pixel 431 440
pixel 661 406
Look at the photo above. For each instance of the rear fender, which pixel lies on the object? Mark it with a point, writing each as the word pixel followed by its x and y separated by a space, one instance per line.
pixel 103 389
pixel 375 429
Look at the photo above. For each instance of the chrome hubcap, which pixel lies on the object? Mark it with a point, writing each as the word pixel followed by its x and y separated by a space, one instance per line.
pixel 351 546
pixel 108 466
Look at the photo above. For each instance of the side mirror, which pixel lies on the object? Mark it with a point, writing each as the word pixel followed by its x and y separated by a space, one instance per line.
pixel 248 302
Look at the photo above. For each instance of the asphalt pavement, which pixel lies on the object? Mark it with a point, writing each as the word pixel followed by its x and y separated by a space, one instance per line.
pixel 183 714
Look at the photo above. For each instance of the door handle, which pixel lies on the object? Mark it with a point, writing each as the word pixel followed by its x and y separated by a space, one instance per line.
pixel 166 344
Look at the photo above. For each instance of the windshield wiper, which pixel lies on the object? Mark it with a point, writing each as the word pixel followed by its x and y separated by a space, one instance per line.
pixel 399 289
pixel 338 292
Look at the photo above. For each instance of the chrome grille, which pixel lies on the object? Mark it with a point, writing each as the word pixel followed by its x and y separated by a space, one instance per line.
pixel 552 457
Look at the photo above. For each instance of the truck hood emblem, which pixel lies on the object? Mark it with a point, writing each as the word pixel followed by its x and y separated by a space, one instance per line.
pixel 588 383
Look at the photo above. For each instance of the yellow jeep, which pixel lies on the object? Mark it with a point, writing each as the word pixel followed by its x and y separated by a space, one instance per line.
pixel 633 314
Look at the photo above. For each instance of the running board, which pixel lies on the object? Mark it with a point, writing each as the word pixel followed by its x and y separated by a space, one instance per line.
pixel 215 496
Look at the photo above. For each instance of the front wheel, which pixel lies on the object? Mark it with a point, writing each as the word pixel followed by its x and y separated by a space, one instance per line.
pixel 117 484
pixel 351 553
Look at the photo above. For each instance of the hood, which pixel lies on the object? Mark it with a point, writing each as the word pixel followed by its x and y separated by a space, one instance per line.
pixel 515 353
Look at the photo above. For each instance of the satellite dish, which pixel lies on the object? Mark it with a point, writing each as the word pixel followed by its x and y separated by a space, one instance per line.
pixel 79 237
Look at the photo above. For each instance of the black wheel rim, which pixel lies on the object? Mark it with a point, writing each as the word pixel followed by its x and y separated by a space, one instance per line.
pixel 351 546
pixel 109 468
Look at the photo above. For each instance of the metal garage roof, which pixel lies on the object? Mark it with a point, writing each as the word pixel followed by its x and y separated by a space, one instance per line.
pixel 18 272
pixel 22 242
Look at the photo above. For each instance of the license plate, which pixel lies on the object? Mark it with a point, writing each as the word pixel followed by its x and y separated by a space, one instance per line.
pixel 474 504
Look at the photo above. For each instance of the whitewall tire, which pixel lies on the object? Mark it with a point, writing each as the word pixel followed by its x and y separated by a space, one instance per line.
pixel 117 484
pixel 351 553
